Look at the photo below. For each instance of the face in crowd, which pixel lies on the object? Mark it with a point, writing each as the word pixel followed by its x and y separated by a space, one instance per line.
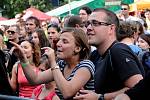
pixel 27 48
pixel 143 44
pixel 35 38
pixel 12 33
pixel 30 26
pixel 97 28
pixel 73 43
pixel 124 10
pixel 147 14
pixel 83 15
pixel 53 33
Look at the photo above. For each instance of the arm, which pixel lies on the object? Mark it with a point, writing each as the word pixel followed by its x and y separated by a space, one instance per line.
pixel 122 97
pixel 40 78
pixel 70 88
pixel 32 77
pixel 13 80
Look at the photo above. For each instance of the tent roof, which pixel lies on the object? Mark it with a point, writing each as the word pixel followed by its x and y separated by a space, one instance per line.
pixel 37 13
pixel 3 18
pixel 68 7
pixel 9 22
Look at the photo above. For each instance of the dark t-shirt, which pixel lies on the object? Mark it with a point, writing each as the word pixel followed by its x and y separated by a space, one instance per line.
pixel 114 67
pixel 141 90
pixel 12 57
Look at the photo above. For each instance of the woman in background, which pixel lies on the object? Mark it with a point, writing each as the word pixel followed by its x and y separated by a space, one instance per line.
pixel 74 66
pixel 18 80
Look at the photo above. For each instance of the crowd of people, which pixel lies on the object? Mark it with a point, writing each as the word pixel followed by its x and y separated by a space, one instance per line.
pixel 96 55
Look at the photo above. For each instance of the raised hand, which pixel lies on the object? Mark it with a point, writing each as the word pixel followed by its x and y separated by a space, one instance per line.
pixel 19 52
pixel 50 53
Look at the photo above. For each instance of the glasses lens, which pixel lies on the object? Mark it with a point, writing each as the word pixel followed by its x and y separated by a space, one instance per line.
pixel 123 8
pixel 12 32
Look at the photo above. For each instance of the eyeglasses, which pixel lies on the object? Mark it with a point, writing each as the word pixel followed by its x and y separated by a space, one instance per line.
pixel 12 32
pixel 96 23
pixel 124 8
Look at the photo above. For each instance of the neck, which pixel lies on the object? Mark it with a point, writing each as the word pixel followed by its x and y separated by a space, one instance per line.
pixel 104 46
pixel 72 62
pixel 126 16
pixel 128 41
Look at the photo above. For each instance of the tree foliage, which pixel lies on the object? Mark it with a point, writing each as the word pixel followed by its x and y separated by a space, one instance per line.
pixel 13 7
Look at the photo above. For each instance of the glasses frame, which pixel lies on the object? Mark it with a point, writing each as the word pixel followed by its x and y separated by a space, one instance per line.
pixel 97 23
pixel 124 8
pixel 12 32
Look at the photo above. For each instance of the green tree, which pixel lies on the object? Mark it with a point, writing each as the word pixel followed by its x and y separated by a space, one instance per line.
pixel 13 7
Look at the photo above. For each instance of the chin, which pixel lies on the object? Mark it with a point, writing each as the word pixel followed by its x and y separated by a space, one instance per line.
pixel 59 56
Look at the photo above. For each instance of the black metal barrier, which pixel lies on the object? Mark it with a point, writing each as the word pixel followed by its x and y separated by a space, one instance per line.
pixel 7 97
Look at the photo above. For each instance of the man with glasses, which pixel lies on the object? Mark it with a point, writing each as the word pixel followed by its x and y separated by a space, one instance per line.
pixel 13 35
pixel 117 68
pixel 125 14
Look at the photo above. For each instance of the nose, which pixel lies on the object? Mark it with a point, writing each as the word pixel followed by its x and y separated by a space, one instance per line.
pixel 58 44
pixel 89 28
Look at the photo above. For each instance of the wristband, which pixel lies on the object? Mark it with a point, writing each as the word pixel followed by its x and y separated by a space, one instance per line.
pixel 53 68
pixel 101 97
pixel 24 64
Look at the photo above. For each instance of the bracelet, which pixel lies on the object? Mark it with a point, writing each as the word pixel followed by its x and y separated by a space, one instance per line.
pixel 24 64
pixel 101 97
pixel 53 68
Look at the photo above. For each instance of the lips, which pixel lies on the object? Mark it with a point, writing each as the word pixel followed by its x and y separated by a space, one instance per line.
pixel 58 50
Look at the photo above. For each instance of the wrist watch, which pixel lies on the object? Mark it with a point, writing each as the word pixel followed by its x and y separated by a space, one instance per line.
pixel 101 97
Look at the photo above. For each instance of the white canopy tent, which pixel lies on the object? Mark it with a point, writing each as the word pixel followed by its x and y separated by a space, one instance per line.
pixel 68 7
pixel 9 22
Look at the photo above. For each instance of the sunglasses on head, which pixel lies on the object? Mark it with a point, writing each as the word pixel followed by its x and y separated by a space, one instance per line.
pixel 12 32
pixel 124 9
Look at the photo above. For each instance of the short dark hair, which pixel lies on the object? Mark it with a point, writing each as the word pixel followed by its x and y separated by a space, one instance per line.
pixel 54 25
pixel 87 9
pixel 146 10
pixel 110 18
pixel 125 5
pixel 72 21
pixel 36 20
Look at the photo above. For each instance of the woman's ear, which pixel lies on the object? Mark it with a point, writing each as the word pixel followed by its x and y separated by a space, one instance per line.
pixel 77 50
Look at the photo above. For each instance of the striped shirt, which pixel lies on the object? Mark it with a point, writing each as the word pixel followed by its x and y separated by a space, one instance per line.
pixel 85 63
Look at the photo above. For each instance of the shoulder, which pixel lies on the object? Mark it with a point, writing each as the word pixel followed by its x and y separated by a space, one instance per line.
pixel 135 48
pixel 120 49
pixel 87 64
